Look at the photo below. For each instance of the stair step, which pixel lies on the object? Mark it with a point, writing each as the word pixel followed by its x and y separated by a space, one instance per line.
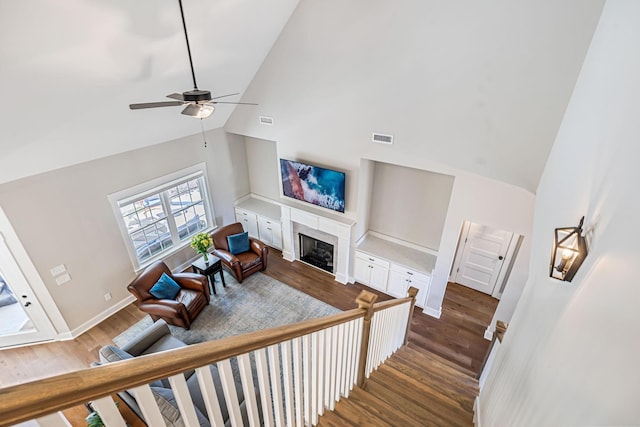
pixel 425 395
pixel 463 390
pixel 383 410
pixel 444 364
pixel 430 388
pixel 331 419
pixel 412 388
pixel 393 394
pixel 357 414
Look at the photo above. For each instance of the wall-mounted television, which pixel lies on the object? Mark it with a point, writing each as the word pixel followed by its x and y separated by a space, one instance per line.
pixel 313 184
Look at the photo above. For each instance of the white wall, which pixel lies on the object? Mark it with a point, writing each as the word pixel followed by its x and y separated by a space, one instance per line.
pixel 478 86
pixel 419 197
pixel 263 164
pixel 64 217
pixel 570 355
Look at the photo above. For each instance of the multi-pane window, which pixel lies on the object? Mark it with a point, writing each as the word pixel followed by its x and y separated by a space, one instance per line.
pixel 165 217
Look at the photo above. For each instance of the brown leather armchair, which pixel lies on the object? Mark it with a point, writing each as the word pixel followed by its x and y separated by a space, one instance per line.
pixel 189 302
pixel 243 264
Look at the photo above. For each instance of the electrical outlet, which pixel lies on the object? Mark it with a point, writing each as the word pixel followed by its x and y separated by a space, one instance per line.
pixel 63 279
pixel 58 269
pixel 107 296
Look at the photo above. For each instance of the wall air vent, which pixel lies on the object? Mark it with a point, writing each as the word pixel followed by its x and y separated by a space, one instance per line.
pixel 264 120
pixel 382 139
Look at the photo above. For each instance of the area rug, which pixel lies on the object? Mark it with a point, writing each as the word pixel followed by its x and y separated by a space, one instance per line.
pixel 259 302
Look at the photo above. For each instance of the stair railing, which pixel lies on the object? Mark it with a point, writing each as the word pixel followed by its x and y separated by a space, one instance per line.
pixel 301 369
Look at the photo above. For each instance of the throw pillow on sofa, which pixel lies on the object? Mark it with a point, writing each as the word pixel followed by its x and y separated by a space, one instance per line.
pixel 238 243
pixel 165 288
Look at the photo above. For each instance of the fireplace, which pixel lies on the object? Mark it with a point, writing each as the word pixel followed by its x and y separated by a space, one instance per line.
pixel 316 252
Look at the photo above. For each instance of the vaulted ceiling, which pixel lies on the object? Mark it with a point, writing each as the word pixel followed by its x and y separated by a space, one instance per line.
pixel 481 85
pixel 70 68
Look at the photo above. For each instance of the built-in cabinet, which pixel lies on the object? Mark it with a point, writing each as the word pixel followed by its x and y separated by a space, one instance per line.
pixel 270 231
pixel 262 220
pixel 371 271
pixel 392 268
pixel 249 221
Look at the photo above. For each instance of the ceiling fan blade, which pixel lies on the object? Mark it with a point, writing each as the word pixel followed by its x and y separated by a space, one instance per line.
pixel 236 103
pixel 155 104
pixel 224 96
pixel 177 96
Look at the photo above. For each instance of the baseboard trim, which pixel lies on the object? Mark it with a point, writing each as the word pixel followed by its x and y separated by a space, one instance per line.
pixel 97 319
pixel 341 278
pixel 433 313
pixel 476 412
pixel 288 255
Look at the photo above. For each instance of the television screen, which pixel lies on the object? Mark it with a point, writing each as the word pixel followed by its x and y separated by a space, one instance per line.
pixel 313 184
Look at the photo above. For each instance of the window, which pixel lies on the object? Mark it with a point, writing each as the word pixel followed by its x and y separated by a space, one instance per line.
pixel 160 216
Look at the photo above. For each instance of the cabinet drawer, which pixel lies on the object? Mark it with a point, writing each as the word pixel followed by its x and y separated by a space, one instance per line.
pixel 413 274
pixel 373 260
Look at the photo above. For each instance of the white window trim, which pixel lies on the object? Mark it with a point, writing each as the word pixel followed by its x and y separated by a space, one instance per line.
pixel 151 187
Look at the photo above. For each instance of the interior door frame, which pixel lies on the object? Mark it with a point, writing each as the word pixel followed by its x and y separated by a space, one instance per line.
pixel 37 290
pixel 507 263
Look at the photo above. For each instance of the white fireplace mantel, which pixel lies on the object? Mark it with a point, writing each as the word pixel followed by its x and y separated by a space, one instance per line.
pixel 340 228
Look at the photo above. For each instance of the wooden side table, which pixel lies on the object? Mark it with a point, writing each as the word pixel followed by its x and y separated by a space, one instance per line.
pixel 209 269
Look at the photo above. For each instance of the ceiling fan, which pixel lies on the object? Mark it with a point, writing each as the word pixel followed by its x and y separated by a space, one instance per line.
pixel 198 103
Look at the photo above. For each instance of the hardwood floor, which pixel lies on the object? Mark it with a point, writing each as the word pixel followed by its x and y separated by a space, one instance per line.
pixel 457 336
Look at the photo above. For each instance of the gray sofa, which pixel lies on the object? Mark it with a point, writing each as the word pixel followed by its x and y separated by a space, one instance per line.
pixel 155 339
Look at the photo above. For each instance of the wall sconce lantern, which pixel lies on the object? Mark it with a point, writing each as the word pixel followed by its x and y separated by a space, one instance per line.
pixel 569 251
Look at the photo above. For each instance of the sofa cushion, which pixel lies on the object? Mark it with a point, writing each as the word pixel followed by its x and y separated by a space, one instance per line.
pixel 169 408
pixel 238 243
pixel 165 288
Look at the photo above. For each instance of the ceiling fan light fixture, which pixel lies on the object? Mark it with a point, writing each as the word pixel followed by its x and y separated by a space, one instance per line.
pixel 201 111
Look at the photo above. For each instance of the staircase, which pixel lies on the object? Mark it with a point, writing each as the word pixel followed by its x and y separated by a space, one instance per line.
pixel 412 388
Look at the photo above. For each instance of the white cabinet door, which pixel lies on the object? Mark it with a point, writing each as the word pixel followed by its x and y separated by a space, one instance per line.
pixel 371 271
pixel 249 221
pixel 361 270
pixel 270 232
pixel 422 282
pixel 401 278
pixel 398 283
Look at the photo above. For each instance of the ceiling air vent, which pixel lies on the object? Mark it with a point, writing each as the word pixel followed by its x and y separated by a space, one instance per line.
pixel 264 120
pixel 382 139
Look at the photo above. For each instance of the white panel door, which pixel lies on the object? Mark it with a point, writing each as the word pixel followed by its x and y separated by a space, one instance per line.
pixel 482 257
pixel 22 319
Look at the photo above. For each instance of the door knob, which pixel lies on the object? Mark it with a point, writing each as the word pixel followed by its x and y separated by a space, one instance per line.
pixel 500 257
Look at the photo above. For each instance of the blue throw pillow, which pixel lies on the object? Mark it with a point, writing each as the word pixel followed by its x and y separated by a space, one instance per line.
pixel 238 243
pixel 165 288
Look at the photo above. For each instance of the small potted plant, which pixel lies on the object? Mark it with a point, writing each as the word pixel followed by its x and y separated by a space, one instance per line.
pixel 94 420
pixel 201 242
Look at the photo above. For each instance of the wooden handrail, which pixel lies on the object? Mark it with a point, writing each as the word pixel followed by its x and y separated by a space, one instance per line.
pixel 31 400
pixel 383 305
pixel 34 399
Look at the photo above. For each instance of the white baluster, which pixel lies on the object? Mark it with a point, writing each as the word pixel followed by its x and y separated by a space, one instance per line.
pixel 333 356
pixel 230 393
pixel 306 377
pixel 209 395
pixel 108 411
pixel 328 333
pixel 315 368
pixel 296 344
pixel 285 349
pixel 276 383
pixel 340 369
pixel 184 401
pixel 265 389
pixel 57 419
pixel 246 377
pixel 321 363
pixel 148 406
